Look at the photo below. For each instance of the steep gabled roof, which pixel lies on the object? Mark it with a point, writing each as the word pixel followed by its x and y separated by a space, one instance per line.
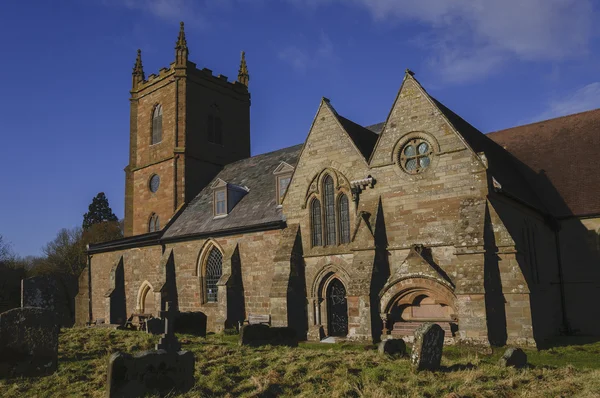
pixel 563 153
pixel 507 170
pixel 257 207
pixel 363 138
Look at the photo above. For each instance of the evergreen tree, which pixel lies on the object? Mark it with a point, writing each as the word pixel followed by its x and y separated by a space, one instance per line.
pixel 99 212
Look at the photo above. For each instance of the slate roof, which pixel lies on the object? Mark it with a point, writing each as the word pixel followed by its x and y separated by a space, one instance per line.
pixel 507 170
pixel 363 138
pixel 563 153
pixel 376 128
pixel 257 207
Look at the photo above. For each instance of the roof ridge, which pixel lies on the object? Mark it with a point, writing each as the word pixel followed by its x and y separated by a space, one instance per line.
pixel 262 154
pixel 544 120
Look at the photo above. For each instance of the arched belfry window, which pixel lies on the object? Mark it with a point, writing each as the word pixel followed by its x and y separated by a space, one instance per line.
pixel 157 124
pixel 344 219
pixel 331 226
pixel 213 271
pixel 315 221
pixel 153 223
pixel 214 126
pixel 329 207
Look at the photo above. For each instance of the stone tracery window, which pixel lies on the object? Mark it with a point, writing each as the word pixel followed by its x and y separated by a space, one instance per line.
pixel 157 125
pixel 213 272
pixel 317 231
pixel 329 207
pixel 344 218
pixel 332 225
pixel 415 156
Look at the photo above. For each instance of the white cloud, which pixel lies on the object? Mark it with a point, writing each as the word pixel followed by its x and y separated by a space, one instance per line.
pixel 302 59
pixel 472 38
pixel 584 99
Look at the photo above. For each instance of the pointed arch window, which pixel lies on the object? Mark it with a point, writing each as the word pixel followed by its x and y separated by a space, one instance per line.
pixel 157 124
pixel 153 223
pixel 214 128
pixel 344 219
pixel 213 272
pixel 330 225
pixel 329 207
pixel 315 218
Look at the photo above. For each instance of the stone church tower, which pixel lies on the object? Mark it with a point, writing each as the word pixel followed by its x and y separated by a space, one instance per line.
pixel 185 125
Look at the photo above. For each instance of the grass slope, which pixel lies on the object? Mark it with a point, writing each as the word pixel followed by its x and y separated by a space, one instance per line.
pixel 224 369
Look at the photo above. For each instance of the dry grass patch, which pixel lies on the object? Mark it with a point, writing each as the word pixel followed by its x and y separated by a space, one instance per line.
pixel 224 369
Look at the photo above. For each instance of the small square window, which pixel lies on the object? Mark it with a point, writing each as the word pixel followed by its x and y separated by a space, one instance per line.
pixel 282 185
pixel 220 202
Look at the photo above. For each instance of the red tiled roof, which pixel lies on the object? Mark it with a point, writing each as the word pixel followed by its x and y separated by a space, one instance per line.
pixel 565 151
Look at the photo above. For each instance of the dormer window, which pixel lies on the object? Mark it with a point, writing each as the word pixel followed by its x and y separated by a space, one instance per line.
pixel 283 176
pixel 220 202
pixel 226 196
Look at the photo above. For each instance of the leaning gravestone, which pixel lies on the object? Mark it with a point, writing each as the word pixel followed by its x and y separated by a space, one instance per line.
pixel 427 347
pixel 28 342
pixel 162 372
pixel 393 347
pixel 515 357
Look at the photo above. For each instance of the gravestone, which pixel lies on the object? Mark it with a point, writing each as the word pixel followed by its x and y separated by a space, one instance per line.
pixel 393 347
pixel 28 342
pixel 427 347
pixel 260 334
pixel 515 357
pixel 163 371
pixel 191 323
pixel 154 326
pixel 54 293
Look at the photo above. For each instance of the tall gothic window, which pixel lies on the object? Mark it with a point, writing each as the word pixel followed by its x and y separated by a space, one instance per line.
pixel 157 125
pixel 154 223
pixel 214 127
pixel 214 270
pixel 315 219
pixel 329 207
pixel 344 219
pixel 331 226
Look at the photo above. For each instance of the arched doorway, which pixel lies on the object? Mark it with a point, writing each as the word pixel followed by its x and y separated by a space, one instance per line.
pixel 146 300
pixel 337 309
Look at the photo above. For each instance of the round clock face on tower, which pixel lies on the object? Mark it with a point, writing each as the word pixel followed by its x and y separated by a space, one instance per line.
pixel 154 183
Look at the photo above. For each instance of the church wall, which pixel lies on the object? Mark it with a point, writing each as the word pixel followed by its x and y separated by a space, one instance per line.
pixel 256 252
pixel 527 269
pixel 146 202
pixel 580 256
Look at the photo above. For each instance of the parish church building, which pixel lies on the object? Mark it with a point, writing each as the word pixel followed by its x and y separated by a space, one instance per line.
pixel 357 233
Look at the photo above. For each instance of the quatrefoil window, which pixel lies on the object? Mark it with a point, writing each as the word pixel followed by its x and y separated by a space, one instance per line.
pixel 415 156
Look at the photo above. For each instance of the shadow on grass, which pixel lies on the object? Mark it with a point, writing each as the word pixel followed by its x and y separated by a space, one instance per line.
pixel 457 367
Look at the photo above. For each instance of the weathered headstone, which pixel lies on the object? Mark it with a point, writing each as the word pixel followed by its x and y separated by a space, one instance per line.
pixel 393 347
pixel 147 372
pixel 191 323
pixel 28 342
pixel 515 357
pixel 168 341
pixel 163 371
pixel 257 335
pixel 427 348
pixel 51 292
pixel 154 326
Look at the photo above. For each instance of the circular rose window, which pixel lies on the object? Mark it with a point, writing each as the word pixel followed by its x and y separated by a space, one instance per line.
pixel 154 183
pixel 415 156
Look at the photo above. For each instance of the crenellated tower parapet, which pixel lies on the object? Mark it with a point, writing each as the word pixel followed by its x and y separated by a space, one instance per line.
pixel 186 124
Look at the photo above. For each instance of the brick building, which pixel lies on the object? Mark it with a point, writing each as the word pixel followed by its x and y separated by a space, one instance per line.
pixel 357 232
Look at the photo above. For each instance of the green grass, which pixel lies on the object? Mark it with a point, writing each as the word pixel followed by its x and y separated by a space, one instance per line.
pixel 224 369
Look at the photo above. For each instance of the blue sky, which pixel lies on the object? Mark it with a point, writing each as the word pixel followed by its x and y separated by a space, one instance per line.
pixel 67 66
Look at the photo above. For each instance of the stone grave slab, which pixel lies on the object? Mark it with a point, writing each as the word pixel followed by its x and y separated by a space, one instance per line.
pixel 427 347
pixel 393 347
pixel 28 342
pixel 514 357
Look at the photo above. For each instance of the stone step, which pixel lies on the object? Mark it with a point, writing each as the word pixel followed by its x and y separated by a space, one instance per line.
pixel 402 329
